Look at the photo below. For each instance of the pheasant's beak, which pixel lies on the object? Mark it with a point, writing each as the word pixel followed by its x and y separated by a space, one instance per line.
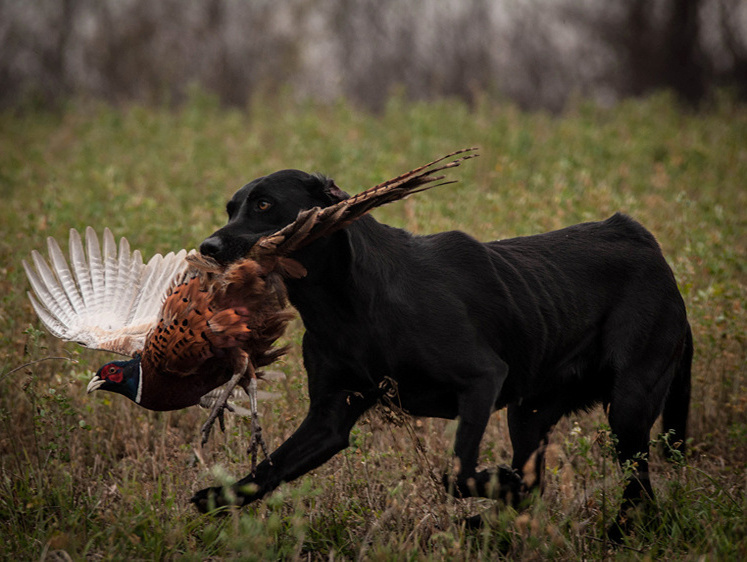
pixel 95 384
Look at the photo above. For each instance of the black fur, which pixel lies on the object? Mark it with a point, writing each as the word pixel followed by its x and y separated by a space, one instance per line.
pixel 546 325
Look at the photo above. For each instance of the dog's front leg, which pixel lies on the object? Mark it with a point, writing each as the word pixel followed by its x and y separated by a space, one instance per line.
pixel 476 403
pixel 324 432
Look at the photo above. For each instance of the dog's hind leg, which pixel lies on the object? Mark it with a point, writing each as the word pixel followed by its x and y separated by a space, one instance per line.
pixel 529 425
pixel 677 405
pixel 637 400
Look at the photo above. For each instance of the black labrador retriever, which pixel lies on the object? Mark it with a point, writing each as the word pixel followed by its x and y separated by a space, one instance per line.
pixel 546 325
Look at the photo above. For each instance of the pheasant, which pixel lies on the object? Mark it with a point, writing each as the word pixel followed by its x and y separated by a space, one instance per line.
pixel 190 324
pixel 187 323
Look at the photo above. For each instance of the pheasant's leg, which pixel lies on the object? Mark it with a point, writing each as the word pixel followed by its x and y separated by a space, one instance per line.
pixel 222 402
pixel 257 440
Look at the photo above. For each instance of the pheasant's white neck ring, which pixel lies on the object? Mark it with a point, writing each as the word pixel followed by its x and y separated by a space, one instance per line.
pixel 139 383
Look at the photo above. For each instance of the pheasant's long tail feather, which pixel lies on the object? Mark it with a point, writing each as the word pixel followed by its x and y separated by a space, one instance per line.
pixel 105 298
pixel 416 180
pixel 317 222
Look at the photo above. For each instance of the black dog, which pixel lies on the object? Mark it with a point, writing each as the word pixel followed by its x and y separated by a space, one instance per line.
pixel 546 325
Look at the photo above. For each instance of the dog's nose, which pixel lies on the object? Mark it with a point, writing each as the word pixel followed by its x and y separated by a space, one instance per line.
pixel 211 246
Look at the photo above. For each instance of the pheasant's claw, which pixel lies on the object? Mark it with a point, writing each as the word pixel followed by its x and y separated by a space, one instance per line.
pixel 222 417
pixel 215 414
pixel 257 442
pixel 222 421
pixel 222 402
pixel 206 427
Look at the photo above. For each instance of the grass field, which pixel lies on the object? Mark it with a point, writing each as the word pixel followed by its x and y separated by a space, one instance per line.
pixel 99 478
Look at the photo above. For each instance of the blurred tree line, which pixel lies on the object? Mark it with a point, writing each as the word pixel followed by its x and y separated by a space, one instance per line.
pixel 535 52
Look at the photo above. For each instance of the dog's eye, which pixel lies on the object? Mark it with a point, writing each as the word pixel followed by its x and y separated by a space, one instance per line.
pixel 263 205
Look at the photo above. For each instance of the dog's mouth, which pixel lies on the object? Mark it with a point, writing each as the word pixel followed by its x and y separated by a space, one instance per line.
pixel 228 250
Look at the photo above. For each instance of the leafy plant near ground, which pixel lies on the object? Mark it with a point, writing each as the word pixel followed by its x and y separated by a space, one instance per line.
pixel 98 477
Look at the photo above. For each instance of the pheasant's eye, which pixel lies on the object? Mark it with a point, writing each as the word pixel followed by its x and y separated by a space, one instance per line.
pixel 263 205
pixel 114 374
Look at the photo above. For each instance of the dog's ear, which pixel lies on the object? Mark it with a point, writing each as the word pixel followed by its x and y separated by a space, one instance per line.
pixel 328 191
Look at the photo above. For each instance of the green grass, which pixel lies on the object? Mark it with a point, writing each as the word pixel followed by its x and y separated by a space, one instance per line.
pixel 98 477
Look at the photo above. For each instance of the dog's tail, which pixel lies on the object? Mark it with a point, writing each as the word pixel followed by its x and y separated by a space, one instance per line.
pixel 677 404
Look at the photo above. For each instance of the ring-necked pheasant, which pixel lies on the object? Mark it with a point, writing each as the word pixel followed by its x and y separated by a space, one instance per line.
pixel 190 323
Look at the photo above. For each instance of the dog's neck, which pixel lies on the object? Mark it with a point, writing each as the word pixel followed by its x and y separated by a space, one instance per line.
pixel 335 289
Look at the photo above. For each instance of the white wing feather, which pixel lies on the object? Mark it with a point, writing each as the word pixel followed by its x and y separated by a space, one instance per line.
pixel 96 270
pixel 106 300
pixel 65 275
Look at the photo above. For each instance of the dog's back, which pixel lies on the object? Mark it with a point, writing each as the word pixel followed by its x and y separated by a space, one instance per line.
pixel 581 297
pixel 555 307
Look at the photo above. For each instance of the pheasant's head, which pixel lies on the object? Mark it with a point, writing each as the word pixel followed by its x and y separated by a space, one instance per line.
pixel 123 377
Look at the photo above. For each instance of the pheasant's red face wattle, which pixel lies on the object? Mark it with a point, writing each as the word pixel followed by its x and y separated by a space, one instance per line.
pixel 112 373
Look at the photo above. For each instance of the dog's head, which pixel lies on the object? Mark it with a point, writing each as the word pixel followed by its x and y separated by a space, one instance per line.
pixel 266 205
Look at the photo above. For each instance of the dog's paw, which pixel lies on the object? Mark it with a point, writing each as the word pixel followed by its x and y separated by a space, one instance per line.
pixel 214 499
pixel 474 522
pixel 474 486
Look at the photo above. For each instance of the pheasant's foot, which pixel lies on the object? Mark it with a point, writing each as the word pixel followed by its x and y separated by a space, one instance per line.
pixel 208 425
pixel 217 413
pixel 257 442
pixel 222 402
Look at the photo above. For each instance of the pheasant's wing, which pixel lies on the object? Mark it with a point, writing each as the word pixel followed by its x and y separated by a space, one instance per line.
pixel 182 339
pixel 317 222
pixel 105 299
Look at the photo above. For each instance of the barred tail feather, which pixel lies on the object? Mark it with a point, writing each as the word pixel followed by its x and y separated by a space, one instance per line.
pixel 314 223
